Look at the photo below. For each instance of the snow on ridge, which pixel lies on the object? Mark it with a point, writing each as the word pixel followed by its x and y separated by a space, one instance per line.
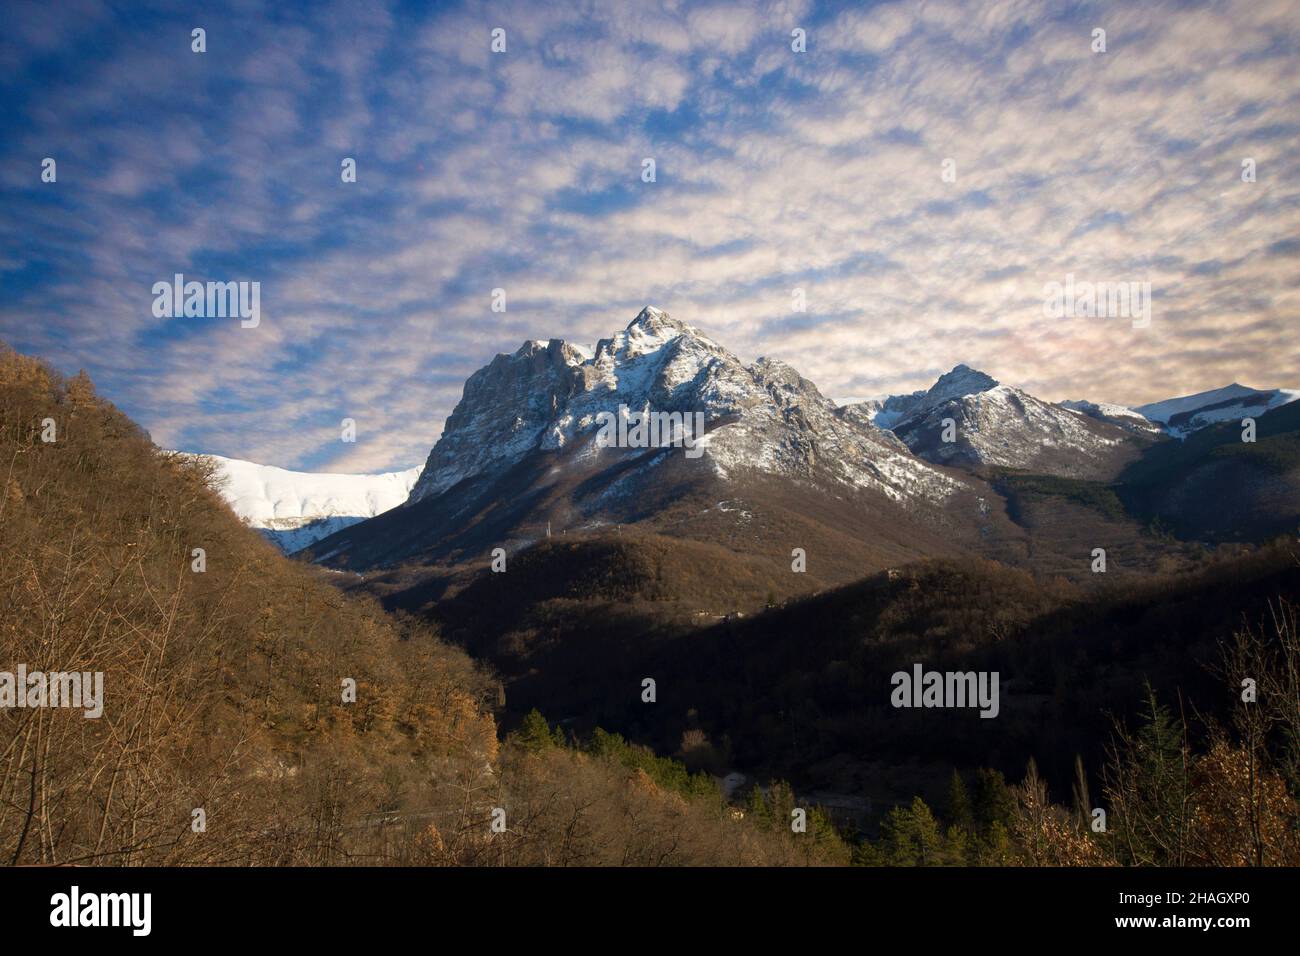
pixel 1186 414
pixel 296 508
pixel 1103 408
pixel 1163 411
pixel 777 420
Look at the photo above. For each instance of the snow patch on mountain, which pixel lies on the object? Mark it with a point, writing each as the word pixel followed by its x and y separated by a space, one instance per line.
pixel 1102 408
pixel 296 508
pixel 1189 413
pixel 1125 418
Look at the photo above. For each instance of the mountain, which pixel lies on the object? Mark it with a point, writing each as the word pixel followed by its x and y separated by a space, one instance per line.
pixel 547 396
pixel 1182 416
pixel 1000 426
pixel 296 508
pixel 1033 432
pixel 893 409
pixel 772 466
pixel 778 465
pixel 1120 415
pixel 1214 486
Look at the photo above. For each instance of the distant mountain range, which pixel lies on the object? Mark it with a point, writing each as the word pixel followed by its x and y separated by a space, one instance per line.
pixel 871 483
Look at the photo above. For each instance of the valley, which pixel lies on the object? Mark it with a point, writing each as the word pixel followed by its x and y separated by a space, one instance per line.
pixel 628 562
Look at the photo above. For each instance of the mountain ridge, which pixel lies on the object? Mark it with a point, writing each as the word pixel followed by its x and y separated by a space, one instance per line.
pixel 521 457
pixel 294 509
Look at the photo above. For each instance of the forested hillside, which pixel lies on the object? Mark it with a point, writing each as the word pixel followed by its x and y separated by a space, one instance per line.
pixel 228 735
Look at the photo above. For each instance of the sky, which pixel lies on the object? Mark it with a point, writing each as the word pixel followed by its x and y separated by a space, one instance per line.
pixel 921 170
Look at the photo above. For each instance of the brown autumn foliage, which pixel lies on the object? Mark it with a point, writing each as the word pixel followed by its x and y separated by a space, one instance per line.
pixel 222 687
pixel 1242 814
pixel 223 690
pixel 1047 834
pixel 571 808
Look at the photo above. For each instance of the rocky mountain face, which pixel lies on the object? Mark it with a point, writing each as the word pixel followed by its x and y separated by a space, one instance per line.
pixel 521 452
pixel 763 417
pixel 969 419
pixel 894 409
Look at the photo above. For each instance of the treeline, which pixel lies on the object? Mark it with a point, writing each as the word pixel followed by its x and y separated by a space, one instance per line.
pixel 1163 802
pixel 644 809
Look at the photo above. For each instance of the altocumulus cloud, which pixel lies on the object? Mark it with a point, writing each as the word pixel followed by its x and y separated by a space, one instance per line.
pixel 776 170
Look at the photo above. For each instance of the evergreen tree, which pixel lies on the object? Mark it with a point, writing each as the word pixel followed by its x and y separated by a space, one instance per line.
pixel 993 802
pixel 535 733
pixel 912 836
pixel 960 811
pixel 1150 789
pixel 958 847
pixel 867 853
pixel 995 849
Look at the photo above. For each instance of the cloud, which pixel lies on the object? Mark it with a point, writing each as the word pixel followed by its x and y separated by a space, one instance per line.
pixel 776 170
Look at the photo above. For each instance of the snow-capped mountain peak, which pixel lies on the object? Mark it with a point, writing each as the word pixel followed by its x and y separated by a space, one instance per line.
pixel 962 380
pixel 650 331
pixel 765 416
pixel 967 417
pixel 893 410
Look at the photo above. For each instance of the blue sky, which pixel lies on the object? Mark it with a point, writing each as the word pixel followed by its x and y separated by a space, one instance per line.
pixel 776 170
